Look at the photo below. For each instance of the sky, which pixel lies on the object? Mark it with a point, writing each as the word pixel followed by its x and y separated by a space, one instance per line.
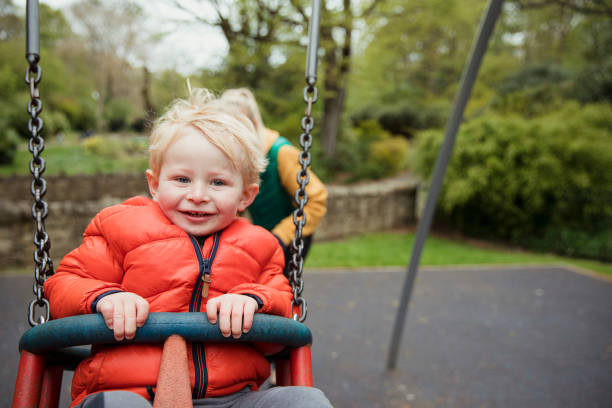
pixel 186 47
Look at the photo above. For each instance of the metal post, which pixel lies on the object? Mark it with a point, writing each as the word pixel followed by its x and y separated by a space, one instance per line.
pixel 32 29
pixel 313 42
pixel 468 77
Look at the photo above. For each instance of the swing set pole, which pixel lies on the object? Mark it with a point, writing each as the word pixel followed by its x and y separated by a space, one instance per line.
pixel 468 78
pixel 32 30
pixel 313 42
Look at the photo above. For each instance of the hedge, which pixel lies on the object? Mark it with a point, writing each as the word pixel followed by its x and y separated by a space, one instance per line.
pixel 543 182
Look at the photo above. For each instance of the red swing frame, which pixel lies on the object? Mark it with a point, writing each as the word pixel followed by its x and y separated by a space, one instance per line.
pixel 48 349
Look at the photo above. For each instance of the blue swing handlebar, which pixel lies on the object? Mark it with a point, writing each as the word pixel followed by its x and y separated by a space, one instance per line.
pixel 192 326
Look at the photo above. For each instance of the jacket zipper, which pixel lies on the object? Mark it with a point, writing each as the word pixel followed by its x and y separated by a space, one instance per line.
pixel 198 349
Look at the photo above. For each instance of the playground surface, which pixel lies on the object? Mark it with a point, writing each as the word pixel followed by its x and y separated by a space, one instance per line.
pixel 474 337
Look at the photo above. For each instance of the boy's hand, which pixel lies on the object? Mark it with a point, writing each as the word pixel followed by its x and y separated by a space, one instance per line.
pixel 123 312
pixel 235 313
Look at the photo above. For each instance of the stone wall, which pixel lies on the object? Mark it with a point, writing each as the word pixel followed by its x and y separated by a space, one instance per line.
pixel 73 201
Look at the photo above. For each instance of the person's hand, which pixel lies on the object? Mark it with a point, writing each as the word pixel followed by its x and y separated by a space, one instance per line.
pixel 235 313
pixel 123 312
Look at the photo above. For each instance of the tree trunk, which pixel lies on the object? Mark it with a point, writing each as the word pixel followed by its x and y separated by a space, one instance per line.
pixel 333 106
pixel 337 68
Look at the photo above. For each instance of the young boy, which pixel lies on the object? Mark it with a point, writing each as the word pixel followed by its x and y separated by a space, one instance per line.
pixel 184 250
pixel 273 207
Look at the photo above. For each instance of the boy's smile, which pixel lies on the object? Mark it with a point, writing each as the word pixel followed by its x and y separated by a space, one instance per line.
pixel 198 187
pixel 195 214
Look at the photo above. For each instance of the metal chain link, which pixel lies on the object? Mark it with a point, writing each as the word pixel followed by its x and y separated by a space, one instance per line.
pixel 38 188
pixel 296 263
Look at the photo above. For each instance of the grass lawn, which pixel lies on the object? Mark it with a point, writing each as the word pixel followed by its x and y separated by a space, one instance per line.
pixel 394 249
pixel 107 154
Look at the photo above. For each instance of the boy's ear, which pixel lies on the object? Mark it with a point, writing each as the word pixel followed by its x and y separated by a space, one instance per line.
pixel 153 181
pixel 248 195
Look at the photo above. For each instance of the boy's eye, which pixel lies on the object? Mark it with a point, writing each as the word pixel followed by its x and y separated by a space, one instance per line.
pixel 182 179
pixel 218 183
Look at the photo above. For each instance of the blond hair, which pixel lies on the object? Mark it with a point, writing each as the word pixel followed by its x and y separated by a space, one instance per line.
pixel 232 133
pixel 244 100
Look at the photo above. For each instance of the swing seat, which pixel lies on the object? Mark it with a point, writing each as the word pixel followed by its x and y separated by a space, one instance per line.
pixel 47 349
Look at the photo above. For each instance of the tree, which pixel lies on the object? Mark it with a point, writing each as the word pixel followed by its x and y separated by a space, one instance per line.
pixel 13 90
pixel 337 29
pixel 10 23
pixel 595 7
pixel 414 53
pixel 115 34
pixel 574 36
pixel 12 64
pixel 254 30
pixel 567 28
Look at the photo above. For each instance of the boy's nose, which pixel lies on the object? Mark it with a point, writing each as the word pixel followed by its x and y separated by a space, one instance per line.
pixel 198 193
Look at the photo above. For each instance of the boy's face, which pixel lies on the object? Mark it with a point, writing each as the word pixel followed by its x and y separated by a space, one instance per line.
pixel 198 188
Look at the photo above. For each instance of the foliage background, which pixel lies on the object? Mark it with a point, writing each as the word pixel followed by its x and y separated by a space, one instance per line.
pixel 531 165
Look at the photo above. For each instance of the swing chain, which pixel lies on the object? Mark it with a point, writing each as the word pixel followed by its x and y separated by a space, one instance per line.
pixel 296 263
pixel 38 188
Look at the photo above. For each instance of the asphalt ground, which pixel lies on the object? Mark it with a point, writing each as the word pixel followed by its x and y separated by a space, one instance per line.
pixel 474 337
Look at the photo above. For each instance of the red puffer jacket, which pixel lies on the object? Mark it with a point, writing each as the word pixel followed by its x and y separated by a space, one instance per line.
pixel 133 247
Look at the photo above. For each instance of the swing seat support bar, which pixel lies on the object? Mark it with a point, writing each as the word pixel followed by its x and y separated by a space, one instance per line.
pixel 47 348
pixel 192 326
pixel 28 386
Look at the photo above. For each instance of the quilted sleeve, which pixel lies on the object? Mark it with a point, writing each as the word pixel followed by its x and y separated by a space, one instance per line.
pixel 272 287
pixel 86 272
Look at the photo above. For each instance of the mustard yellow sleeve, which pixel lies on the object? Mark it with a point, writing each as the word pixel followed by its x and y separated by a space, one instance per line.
pixel 315 208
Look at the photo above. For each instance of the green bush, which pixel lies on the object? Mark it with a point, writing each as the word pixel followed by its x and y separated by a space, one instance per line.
pixel 533 90
pixel 387 157
pixel 594 83
pixel 400 120
pixel 403 118
pixel 369 131
pixel 103 146
pixel 523 179
pixel 141 125
pixel 137 146
pixel 289 127
pixel 573 242
pixel 80 113
pixel 55 122
pixel 367 151
pixel 9 140
pixel 533 76
pixel 355 150
pixel 15 115
pixel 117 113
